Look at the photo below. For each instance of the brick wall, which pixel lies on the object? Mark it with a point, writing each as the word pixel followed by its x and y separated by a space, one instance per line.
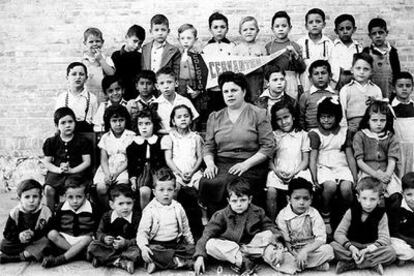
pixel 39 38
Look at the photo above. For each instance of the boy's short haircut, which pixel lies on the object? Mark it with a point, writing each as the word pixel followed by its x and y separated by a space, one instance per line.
pixel 146 74
pixel 315 11
pixel 240 187
pixel 369 183
pixel 136 30
pixel 109 80
pixel 364 56
pixel 163 174
pixel 160 19
pixel 320 63
pixel 166 71
pixel 248 19
pixel 186 27
pixel 408 181
pixel 92 31
pixel 377 22
pixel 344 17
pixel 217 16
pixel 120 189
pixel 27 185
pixel 62 112
pixel 118 111
pixel 73 65
pixel 402 75
pixel 273 69
pixel 299 183
pixel 281 14
pixel 75 183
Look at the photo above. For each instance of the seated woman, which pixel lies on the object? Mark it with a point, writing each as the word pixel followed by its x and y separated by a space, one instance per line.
pixel 239 141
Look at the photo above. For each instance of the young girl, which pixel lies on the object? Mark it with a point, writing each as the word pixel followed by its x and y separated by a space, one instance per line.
pixel 67 154
pixel 291 157
pixel 113 144
pixel 192 77
pixel 331 164
pixel 377 149
pixel 83 103
pixel 183 148
pixel 291 61
pixel 249 29
pixel 144 155
pixel 354 95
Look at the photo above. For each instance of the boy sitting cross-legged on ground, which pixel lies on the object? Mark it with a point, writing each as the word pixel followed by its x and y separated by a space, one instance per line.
pixel 116 235
pixel 27 225
pixel 239 234
pixel 74 224
pixel 303 230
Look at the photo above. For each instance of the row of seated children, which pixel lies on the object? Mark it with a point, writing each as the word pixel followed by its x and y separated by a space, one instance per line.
pixel 240 234
pixel 191 71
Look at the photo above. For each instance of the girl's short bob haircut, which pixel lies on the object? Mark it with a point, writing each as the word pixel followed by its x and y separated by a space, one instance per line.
pixel 117 111
pixel 179 107
pixel 331 106
pixel 152 115
pixel 378 107
pixel 292 110
pixel 62 112
pixel 73 65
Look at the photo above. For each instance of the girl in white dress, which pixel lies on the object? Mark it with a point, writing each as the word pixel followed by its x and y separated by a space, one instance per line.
pixel 332 164
pixel 291 157
pixel 183 148
pixel 113 144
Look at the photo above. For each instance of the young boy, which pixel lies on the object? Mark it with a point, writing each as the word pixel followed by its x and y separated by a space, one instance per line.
pixel 362 239
pixel 159 53
pixel 127 60
pixel 217 46
pixel 303 230
pixel 239 233
pixel 343 50
pixel 276 91
pixel 145 85
pixel 114 90
pixel 97 63
pixel 24 236
pixel 314 45
pixel 402 222
pixel 386 61
pixel 320 74
pixel 164 235
pixel 402 104
pixel 74 224
pixel 116 244
pixel 166 84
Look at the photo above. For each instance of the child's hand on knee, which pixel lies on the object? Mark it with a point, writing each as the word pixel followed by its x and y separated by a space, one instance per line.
pixel 146 254
pixel 25 236
pixel 301 259
pixel 356 254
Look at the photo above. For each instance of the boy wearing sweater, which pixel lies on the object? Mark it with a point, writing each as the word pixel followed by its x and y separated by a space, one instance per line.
pixel 362 239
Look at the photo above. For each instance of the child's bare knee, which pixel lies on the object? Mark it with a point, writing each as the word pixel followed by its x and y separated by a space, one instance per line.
pixel 101 188
pixel 53 235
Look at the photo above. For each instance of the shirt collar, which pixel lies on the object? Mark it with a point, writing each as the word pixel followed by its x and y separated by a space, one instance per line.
pixel 383 52
pixel 380 136
pixel 266 93
pixel 313 89
pixel 281 134
pixel 84 93
pixel 35 211
pixel 396 102
pixel 354 82
pixel 159 46
pixel 140 99
pixel 323 39
pixel 224 40
pixel 160 206
pixel 115 215
pixel 338 41
pixel 86 207
pixel 291 215
pixel 404 205
pixel 122 102
pixel 140 140
pixel 162 99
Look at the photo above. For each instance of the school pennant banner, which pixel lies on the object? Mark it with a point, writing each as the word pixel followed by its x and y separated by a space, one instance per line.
pixel 238 64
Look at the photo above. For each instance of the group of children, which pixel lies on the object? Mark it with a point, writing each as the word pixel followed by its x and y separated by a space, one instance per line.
pixel 334 149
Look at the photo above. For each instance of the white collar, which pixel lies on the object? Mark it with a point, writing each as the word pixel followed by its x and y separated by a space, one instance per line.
pixel 86 207
pixel 280 133
pixel 322 40
pixel 291 215
pixel 84 93
pixel 162 45
pixel 159 206
pixel 404 205
pixel 139 98
pixel 266 93
pixel 396 102
pixel 115 215
pixel 352 82
pixel 162 99
pixel 387 50
pixel 376 136
pixel 91 59
pixel 313 89
pixel 338 41
pixel 24 211
pixel 140 140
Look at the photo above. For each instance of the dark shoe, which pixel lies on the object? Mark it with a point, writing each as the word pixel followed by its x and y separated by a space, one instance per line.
pixel 95 262
pixel 53 261
pixel 248 267
pixel 4 259
pixel 342 267
pixel 322 267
